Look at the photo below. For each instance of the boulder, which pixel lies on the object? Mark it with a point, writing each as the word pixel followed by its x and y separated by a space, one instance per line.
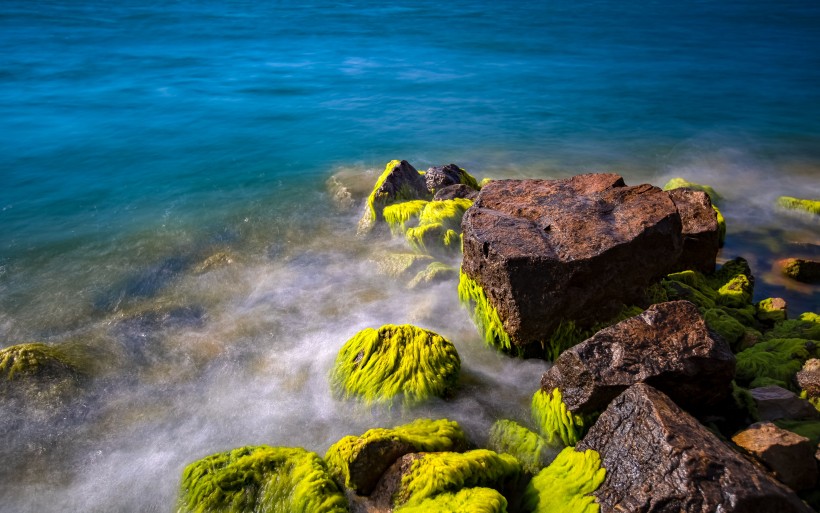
pixel 668 346
pixel 545 252
pixel 800 269
pixel 399 182
pixel 774 402
pixel 771 310
pixel 789 455
pixel 455 191
pixel 701 237
pixel 439 177
pixel 658 458
pixel 809 378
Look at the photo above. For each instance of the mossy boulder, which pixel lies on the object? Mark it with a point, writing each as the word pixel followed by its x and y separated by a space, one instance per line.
pixel 398 183
pixel 771 310
pixel 804 205
pixel 678 183
pixel 439 177
pixel 566 484
pixel 557 423
pixel 800 269
pixel 36 362
pixel 467 500
pixel 258 479
pixel 357 462
pixel 433 273
pixel 531 449
pixel 439 226
pixel 404 362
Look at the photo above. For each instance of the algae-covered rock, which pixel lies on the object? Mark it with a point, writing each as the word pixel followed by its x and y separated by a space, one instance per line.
pixel 555 421
pixel 439 226
pixel 415 478
pixel 399 182
pixel 806 326
pixel 433 273
pixel 260 479
pixel 771 310
pixel 805 205
pixel 398 214
pixel 357 462
pixel 397 265
pixel 677 183
pixel 467 500
pixel 775 361
pixel 531 449
pixel 35 362
pixel 800 269
pixel 439 177
pixel 566 484
pixel 406 362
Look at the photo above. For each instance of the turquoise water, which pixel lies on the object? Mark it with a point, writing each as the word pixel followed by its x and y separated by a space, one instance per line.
pixel 140 139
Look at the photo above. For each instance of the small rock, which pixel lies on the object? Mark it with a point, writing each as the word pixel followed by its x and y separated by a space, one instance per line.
pixel 437 178
pixel 771 310
pixel 800 269
pixel 809 378
pixel 789 455
pixel 774 402
pixel 456 191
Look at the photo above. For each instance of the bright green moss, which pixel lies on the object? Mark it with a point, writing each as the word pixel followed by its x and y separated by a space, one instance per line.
pixel 260 479
pixel 677 183
pixel 467 500
pixel 442 472
pixel 806 326
pixel 774 359
pixel 427 237
pixel 439 226
pixel 721 221
pixel 421 435
pixel 484 182
pixel 379 365
pixel 554 420
pixel 37 361
pixel 434 272
pixel 814 401
pixel 531 449
pixel 768 311
pixel 567 484
pixel 469 180
pixel 448 212
pixel 371 216
pixel 735 293
pixel 729 328
pixel 484 315
pixel 811 206
pixel 398 214
pixel 562 338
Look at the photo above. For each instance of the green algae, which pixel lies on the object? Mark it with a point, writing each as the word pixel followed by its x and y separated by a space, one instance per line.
pixel 484 314
pixel 376 200
pixel 806 326
pixel 398 214
pixel 567 484
pixel 805 205
pixel 774 361
pixel 440 472
pixel 260 479
pixel 34 360
pixel 399 264
pixel 531 449
pixel 467 500
pixel 677 183
pixel 767 311
pixel 721 221
pixel 436 271
pixel 377 366
pixel 814 401
pixel 421 435
pixel 554 420
pixel 469 180
pixel 439 226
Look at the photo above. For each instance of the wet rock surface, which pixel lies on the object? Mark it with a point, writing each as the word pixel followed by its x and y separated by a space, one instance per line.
pixel 774 402
pixel 660 459
pixel 455 191
pixel 667 346
pixel 789 455
pixel 801 269
pixel 439 177
pixel 701 239
pixel 574 249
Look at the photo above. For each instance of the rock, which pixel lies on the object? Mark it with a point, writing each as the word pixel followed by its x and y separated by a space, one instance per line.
pixel 800 269
pixel 545 252
pixel 659 458
pixel 774 402
pixel 701 237
pixel 456 191
pixel 395 362
pixel 434 273
pixel 789 455
pixel 357 462
pixel 809 378
pixel 774 361
pixel 437 178
pixel 771 310
pixel 260 478
pixel 805 205
pixel 439 227
pixel 677 183
pixel 399 182
pixel 532 450
pixel 668 346
pixel 566 484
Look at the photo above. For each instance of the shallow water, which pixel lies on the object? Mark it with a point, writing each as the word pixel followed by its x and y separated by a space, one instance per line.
pixel 165 207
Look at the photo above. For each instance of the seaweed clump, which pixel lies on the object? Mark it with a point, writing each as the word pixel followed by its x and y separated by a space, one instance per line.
pixel 567 484
pixel 805 205
pixel 554 420
pixel 531 449
pixel 467 500
pixel 483 313
pixel 260 479
pixel 377 365
pixel 439 227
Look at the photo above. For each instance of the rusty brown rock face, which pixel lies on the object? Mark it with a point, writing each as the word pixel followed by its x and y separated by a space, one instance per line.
pixel 668 346
pixel 574 249
pixel 660 459
pixel 701 239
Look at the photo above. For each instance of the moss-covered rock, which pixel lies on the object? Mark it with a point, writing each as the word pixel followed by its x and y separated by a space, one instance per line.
pixel 677 183
pixel 357 462
pixel 567 484
pixel 397 265
pixel 443 176
pixel 805 205
pixel 721 226
pixel 531 449
pixel 435 473
pixel 260 479
pixel 483 313
pixel 554 420
pixel 774 362
pixel 439 226
pixel 467 500
pixel 379 365
pixel 800 269
pixel 806 326
pixel 398 214
pixel 398 183
pixel 435 272
pixel 771 310
pixel 37 362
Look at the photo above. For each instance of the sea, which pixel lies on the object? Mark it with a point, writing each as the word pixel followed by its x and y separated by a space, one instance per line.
pixel 180 184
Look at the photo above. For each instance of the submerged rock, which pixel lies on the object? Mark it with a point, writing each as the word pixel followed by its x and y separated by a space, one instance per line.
pixel 405 362
pixel 701 236
pixel 260 478
pixel 668 346
pixel 440 177
pixel 358 462
pixel 789 455
pixel 658 458
pixel 800 269
pixel 399 182
pixel 546 251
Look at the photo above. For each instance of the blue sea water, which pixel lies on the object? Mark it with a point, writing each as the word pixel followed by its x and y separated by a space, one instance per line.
pixel 139 138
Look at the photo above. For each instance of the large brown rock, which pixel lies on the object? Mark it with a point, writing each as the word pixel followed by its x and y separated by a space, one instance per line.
pixel 701 238
pixel 667 346
pixel 575 249
pixel 660 459
pixel 789 455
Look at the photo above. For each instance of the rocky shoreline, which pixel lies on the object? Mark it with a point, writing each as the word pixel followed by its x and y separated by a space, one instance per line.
pixel 671 390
